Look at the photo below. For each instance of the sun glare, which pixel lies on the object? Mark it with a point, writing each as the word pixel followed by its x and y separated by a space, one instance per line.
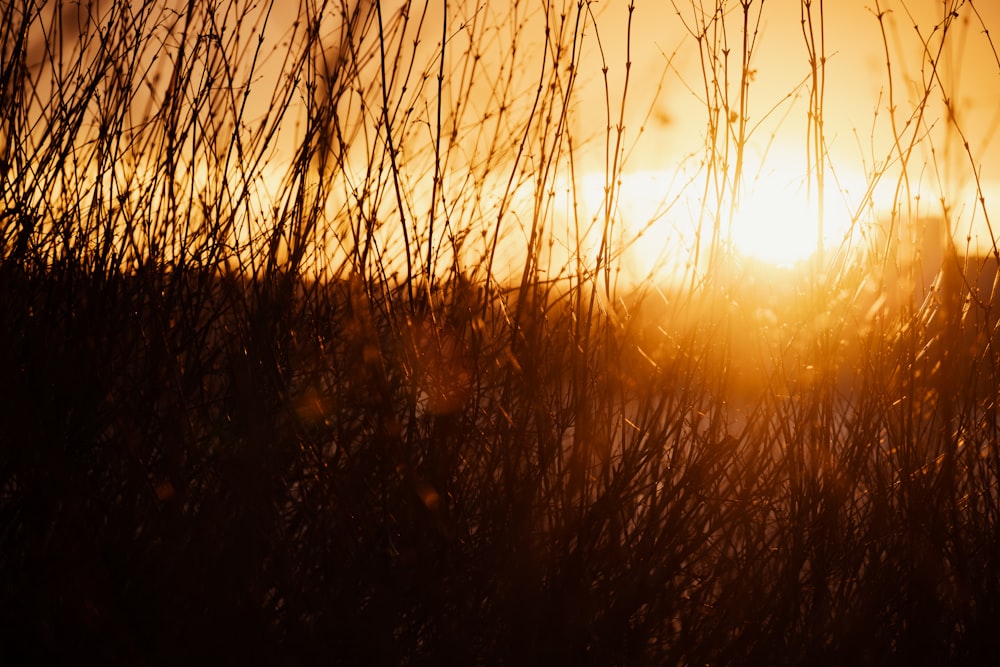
pixel 777 220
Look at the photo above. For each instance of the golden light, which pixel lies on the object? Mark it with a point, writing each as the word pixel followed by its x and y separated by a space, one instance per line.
pixel 654 234
pixel 777 220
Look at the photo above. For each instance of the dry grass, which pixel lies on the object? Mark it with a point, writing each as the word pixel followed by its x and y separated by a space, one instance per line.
pixel 337 420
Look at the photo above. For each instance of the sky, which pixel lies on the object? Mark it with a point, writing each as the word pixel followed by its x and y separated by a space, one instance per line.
pixel 663 114
pixel 856 103
pixel 665 121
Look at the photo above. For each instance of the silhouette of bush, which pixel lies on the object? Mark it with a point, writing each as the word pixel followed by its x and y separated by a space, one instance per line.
pixel 248 431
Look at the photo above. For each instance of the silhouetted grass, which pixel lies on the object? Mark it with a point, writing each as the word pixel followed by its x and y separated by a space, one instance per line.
pixel 326 422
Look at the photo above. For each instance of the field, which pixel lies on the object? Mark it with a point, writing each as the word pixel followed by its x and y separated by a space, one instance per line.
pixel 376 335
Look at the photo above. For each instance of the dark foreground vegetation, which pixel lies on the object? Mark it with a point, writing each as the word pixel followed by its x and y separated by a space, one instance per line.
pixel 222 442
pixel 199 468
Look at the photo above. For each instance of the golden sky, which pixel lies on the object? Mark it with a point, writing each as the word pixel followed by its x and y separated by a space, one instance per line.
pixel 664 117
pixel 857 96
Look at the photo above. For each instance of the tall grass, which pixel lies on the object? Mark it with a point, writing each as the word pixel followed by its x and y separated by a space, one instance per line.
pixel 312 352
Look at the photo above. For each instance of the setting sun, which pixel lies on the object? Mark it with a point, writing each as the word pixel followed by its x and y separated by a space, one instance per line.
pixel 777 220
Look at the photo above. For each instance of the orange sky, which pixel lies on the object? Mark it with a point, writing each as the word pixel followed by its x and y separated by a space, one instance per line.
pixel 665 95
pixel 666 98
pixel 665 89
pixel 857 92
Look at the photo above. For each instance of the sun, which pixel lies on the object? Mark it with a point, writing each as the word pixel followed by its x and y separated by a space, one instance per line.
pixel 777 220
